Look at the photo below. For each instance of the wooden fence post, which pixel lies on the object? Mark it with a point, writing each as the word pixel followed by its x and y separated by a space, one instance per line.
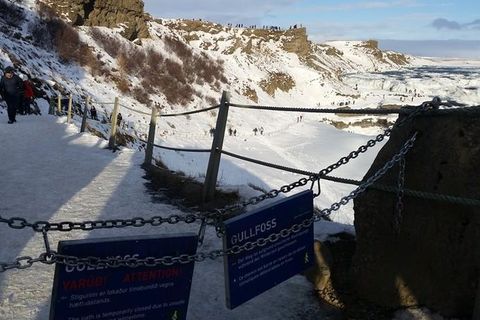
pixel 113 131
pixel 85 112
pixel 59 103
pixel 217 145
pixel 69 113
pixel 151 137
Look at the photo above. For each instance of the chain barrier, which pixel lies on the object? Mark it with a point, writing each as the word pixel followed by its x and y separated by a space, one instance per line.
pixel 67 226
pixel 114 262
pixel 216 217
pixel 325 213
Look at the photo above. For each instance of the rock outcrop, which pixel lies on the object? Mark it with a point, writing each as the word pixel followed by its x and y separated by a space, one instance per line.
pixel 434 258
pixel 372 47
pixel 106 13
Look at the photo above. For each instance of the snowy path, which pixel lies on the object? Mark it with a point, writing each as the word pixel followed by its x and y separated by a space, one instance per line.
pixel 51 172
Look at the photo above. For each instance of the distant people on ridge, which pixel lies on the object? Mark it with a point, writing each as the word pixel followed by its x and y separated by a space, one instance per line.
pixel 11 90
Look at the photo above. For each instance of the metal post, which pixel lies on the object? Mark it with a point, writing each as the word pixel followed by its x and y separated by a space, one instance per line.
pixel 113 131
pixel 69 113
pixel 151 137
pixel 59 103
pixel 85 112
pixel 217 145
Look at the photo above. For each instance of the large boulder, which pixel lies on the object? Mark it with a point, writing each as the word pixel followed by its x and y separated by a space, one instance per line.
pixel 106 13
pixel 433 259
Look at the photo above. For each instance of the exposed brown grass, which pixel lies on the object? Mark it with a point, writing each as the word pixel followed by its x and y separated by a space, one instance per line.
pixel 122 84
pixel 183 190
pixel 277 80
pixel 53 32
pixel 110 44
pixel 141 95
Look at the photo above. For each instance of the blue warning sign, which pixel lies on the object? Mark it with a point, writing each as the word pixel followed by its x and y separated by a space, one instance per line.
pixel 149 293
pixel 252 272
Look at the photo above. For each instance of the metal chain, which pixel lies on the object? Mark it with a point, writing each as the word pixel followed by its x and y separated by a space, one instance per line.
pixel 344 160
pixel 216 217
pixel 52 257
pixel 398 215
pixel 67 226
pixel 115 262
pixel 426 106
pixel 22 262
pixel 325 213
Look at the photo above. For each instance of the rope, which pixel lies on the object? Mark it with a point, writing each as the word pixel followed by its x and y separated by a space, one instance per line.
pixel 188 112
pixel 430 196
pixel 267 164
pixel 408 192
pixel 367 111
pixel 411 192
pixel 177 149
pixel 318 110
pixel 137 111
pixel 102 103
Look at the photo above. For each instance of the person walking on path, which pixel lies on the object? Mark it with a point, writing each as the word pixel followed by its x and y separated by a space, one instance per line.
pixel 28 96
pixel 93 113
pixel 11 89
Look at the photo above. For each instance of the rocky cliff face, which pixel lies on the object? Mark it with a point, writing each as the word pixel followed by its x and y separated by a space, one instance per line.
pixel 433 260
pixel 107 13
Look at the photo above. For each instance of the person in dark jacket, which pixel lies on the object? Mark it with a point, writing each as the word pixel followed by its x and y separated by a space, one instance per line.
pixel 93 113
pixel 11 89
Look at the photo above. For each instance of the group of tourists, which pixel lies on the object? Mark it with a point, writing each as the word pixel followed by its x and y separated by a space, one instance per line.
pixel 18 93
pixel 265 27
pixel 259 130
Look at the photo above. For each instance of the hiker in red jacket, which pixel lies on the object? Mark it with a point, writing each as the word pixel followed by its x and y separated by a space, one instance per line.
pixel 28 95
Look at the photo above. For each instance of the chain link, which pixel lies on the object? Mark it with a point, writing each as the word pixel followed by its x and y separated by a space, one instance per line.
pixel 23 262
pixel 67 226
pixel 398 215
pixel 325 213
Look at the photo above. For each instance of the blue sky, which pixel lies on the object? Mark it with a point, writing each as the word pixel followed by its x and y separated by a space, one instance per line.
pixel 412 20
